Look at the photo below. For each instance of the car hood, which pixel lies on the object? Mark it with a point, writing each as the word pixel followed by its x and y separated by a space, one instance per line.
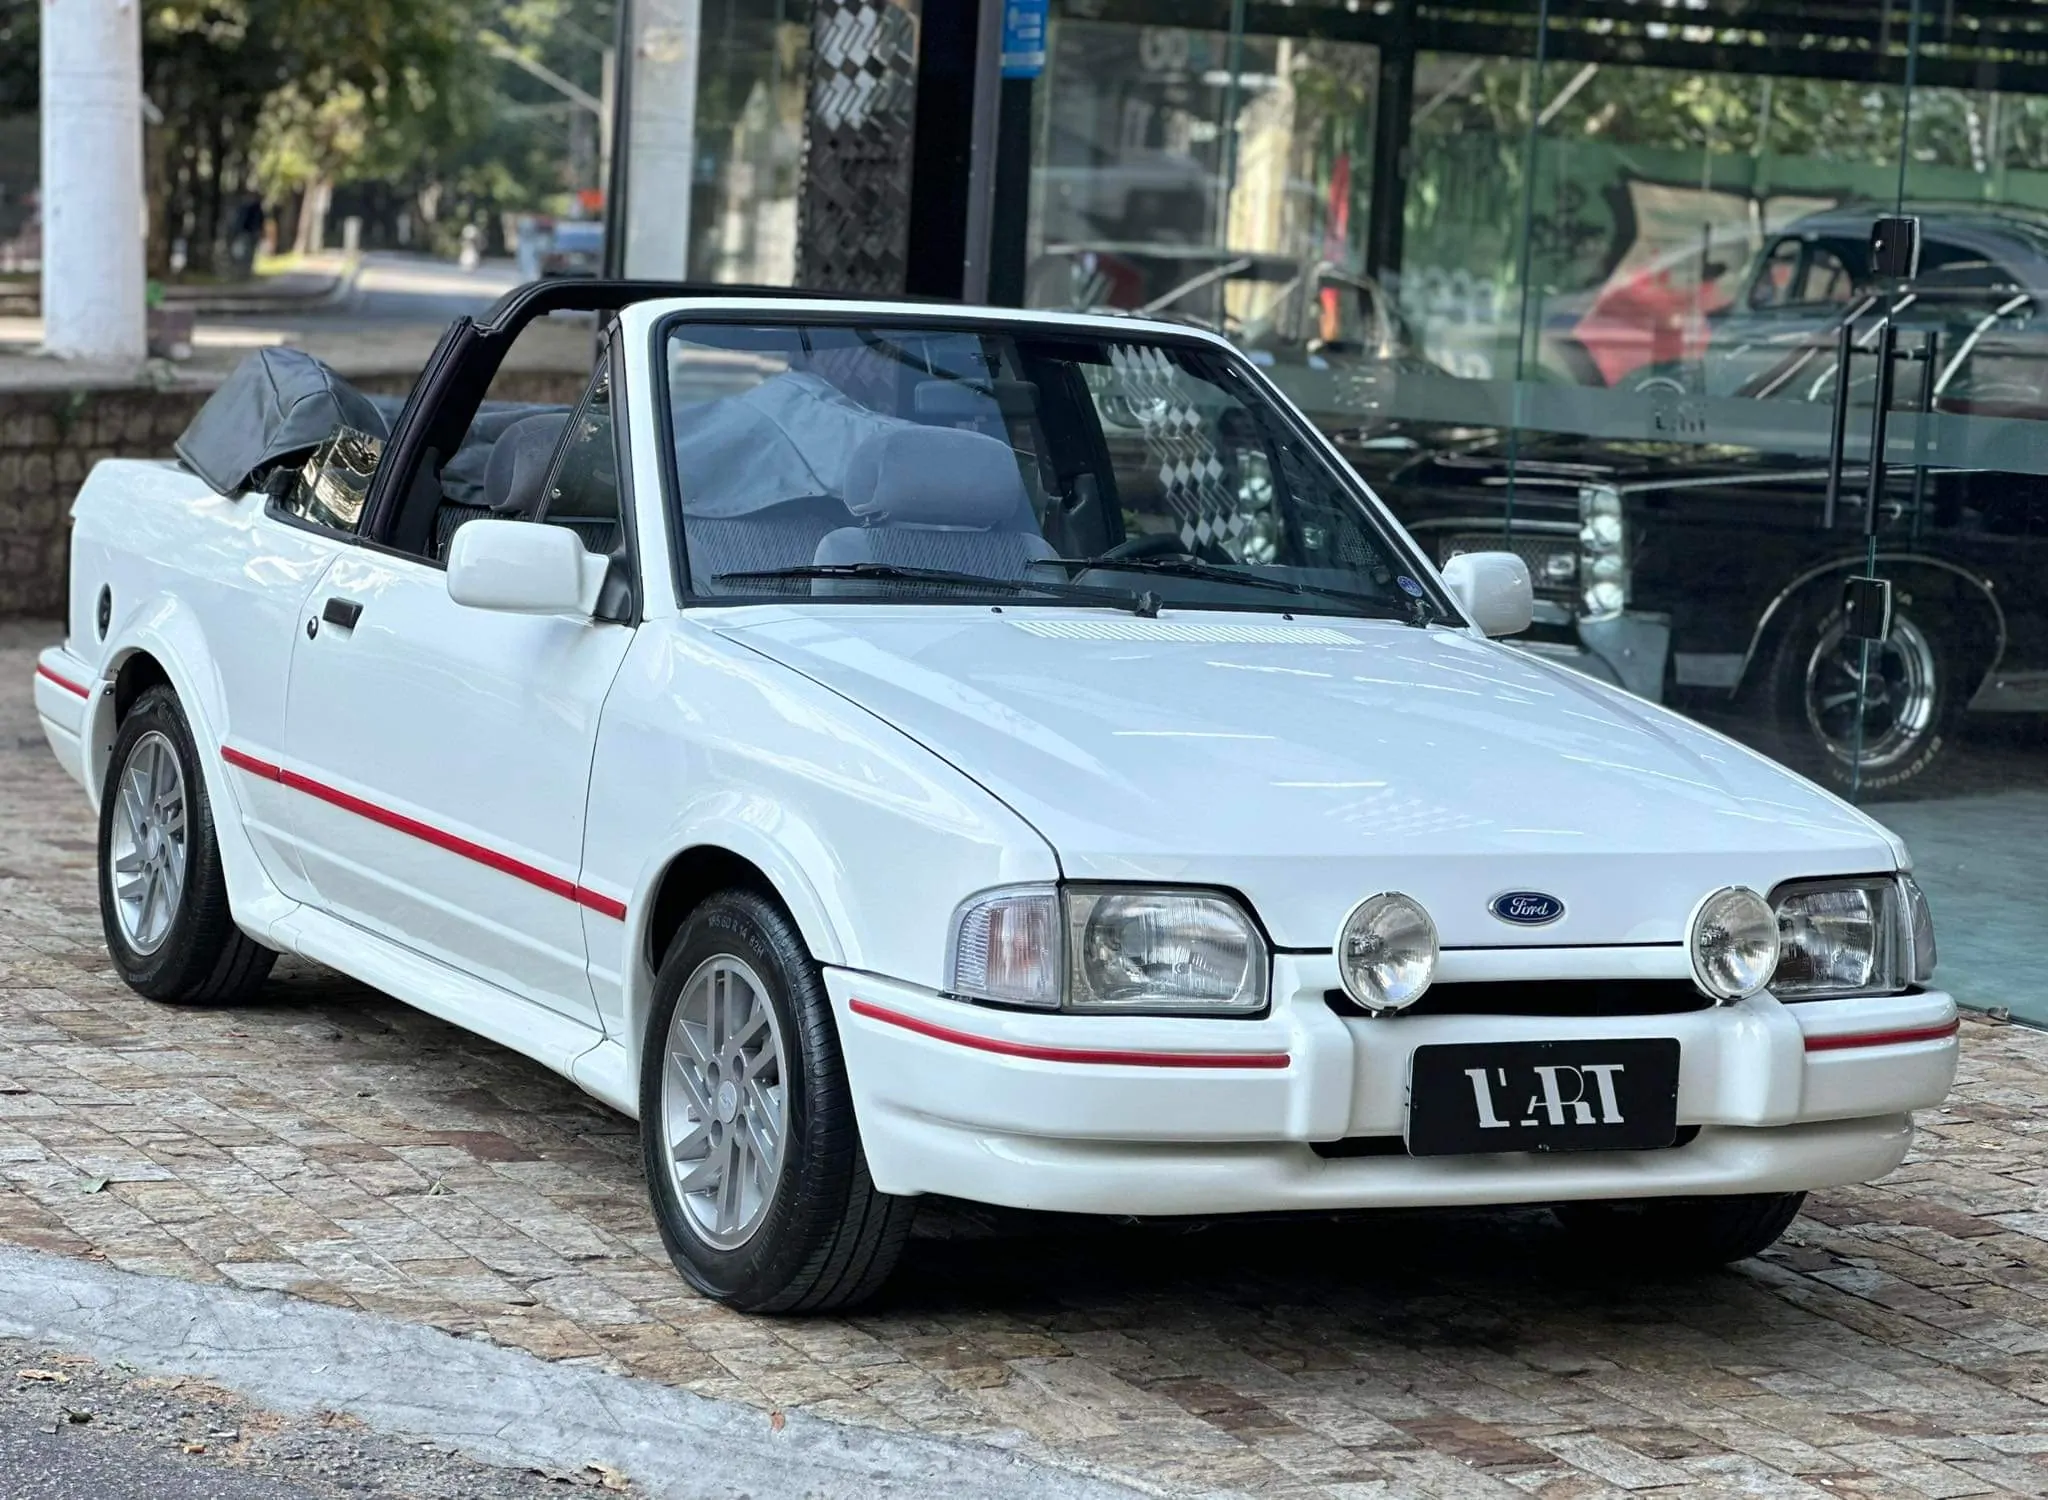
pixel 1308 763
pixel 1558 467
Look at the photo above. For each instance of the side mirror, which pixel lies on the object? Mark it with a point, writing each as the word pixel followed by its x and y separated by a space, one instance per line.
pixel 1492 588
pixel 523 568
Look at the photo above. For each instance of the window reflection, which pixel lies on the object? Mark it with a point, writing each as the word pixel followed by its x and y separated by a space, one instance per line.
pixel 1591 309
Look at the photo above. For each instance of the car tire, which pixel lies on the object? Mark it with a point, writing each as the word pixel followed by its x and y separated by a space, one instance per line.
pixel 1916 706
pixel 163 894
pixel 1682 1234
pixel 752 1154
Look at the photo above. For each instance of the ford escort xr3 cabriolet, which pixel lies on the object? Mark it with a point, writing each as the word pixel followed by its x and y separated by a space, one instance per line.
pixel 896 750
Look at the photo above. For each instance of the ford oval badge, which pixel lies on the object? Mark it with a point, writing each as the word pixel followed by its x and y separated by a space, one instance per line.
pixel 1526 908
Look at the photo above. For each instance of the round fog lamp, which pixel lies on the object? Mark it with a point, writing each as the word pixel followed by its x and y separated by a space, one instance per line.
pixel 1734 943
pixel 1386 952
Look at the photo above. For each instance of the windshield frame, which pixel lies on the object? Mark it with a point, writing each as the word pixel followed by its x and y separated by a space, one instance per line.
pixel 1400 548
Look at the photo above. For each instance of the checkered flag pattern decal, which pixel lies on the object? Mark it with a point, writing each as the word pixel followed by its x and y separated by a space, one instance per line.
pixel 853 226
pixel 1178 439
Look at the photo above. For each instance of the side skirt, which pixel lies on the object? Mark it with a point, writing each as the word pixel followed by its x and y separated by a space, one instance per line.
pixel 608 1072
pixel 551 1039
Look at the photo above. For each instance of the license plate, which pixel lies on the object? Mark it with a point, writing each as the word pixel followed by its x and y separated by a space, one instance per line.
pixel 1543 1096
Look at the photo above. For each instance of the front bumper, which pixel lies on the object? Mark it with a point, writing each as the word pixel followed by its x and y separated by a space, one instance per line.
pixel 1629 651
pixel 1161 1116
pixel 65 689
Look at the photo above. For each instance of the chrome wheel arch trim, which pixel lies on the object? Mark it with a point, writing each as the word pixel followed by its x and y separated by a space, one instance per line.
pixel 1848 565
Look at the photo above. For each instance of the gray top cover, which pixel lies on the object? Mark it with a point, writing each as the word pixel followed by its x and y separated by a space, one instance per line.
pixel 277 407
pixel 789 438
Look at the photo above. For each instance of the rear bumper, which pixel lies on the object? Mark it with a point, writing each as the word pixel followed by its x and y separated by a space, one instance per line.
pixel 65 691
pixel 1160 1116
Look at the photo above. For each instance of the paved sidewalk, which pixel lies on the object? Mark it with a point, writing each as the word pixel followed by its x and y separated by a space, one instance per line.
pixel 379 322
pixel 301 1365
pixel 71 1429
pixel 337 1146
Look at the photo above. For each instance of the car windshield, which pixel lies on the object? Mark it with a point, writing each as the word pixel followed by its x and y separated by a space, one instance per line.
pixel 1021 464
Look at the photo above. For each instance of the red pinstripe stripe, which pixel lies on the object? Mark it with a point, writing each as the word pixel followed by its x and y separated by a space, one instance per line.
pixel 63 682
pixel 1107 1059
pixel 426 833
pixel 1883 1038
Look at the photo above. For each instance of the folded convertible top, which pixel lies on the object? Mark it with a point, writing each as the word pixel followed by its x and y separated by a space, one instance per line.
pixel 275 408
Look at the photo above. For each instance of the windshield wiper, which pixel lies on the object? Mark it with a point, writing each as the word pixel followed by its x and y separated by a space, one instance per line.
pixel 1417 612
pixel 1146 604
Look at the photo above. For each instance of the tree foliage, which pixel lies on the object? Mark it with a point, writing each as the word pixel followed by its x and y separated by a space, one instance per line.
pixel 270 97
pixel 397 101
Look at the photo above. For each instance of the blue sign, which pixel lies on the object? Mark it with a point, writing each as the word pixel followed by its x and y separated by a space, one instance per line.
pixel 1024 37
pixel 1526 908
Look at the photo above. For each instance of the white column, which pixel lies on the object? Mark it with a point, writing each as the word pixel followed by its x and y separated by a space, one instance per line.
pixel 93 207
pixel 661 136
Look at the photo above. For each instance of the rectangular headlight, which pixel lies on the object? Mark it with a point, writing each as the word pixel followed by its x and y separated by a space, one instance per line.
pixel 1162 951
pixel 1110 950
pixel 1838 938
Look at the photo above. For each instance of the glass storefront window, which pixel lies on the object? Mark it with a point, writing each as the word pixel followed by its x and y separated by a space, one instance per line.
pixel 713 140
pixel 1602 323
pixel 750 137
pixel 1197 173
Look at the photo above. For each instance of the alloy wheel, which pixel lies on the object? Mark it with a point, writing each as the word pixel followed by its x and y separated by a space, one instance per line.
pixel 1894 699
pixel 148 843
pixel 725 1101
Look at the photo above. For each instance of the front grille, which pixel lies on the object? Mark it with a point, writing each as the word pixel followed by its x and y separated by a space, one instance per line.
pixel 1553 560
pixel 1548 997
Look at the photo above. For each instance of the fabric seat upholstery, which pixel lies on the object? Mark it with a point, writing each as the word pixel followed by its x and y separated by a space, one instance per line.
pixel 512 478
pixel 776 536
pixel 448 520
pixel 937 497
pixel 518 466
pixel 462 477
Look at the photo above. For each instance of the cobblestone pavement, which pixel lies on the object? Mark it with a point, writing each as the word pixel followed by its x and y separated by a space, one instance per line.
pixel 339 1146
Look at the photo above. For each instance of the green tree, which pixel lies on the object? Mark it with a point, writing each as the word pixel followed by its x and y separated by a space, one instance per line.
pixel 275 96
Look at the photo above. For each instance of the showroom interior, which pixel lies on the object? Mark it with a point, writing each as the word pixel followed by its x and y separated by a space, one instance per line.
pixel 1704 307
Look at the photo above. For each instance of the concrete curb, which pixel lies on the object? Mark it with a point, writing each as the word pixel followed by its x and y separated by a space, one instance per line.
pixel 499 1405
pixel 208 303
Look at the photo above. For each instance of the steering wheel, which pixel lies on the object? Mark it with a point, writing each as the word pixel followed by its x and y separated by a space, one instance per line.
pixel 1158 544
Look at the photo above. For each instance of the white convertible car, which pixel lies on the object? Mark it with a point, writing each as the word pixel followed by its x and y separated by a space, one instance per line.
pixel 897 750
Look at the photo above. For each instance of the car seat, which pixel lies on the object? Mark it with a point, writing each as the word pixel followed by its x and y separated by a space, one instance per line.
pixel 512 479
pixel 937 497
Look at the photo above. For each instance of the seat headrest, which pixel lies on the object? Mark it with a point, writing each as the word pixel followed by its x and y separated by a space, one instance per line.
pixel 934 476
pixel 519 463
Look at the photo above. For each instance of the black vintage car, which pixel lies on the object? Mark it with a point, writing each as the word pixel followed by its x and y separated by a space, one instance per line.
pixel 1701 560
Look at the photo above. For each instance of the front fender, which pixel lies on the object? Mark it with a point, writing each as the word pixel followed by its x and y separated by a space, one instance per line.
pixel 1960 582
pixel 727 820
pixel 868 838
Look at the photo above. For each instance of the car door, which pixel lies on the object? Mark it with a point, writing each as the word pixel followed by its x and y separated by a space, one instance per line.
pixel 442 753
